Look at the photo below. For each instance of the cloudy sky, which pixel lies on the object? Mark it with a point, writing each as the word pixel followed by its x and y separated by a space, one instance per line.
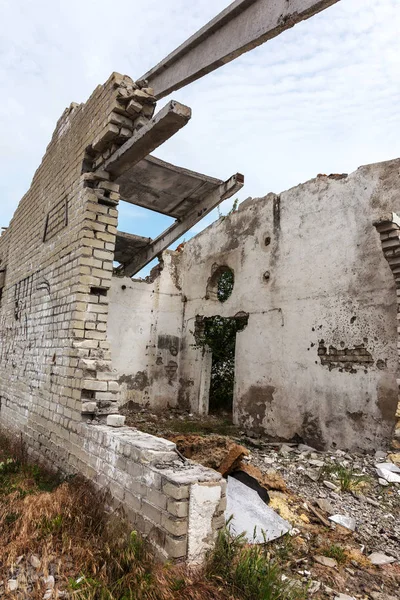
pixel 321 98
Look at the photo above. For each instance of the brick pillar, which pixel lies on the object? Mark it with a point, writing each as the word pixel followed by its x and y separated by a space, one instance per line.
pixel 99 386
pixel 389 231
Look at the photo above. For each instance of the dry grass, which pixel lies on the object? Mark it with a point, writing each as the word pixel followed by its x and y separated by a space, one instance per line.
pixel 95 556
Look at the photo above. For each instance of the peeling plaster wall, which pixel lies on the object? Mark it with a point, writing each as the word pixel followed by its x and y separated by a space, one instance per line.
pixel 144 329
pixel 310 271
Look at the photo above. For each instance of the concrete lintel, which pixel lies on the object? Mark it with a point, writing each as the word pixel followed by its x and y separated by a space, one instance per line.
pixel 242 26
pixel 170 235
pixel 159 129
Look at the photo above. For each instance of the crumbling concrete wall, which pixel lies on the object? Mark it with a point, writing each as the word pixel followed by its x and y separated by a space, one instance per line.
pixel 318 359
pixel 144 330
pixel 57 384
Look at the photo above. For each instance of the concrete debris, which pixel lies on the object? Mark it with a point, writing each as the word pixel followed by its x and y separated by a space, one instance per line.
pixel 314 587
pixel 325 505
pixel 325 561
pixel 380 455
pixel 389 472
pixel 252 516
pixel 306 449
pixel 12 585
pixel 49 582
pixel 383 482
pixel 389 467
pixel 378 559
pixel 35 561
pixel 344 597
pixel 330 485
pixel 312 475
pixel 344 521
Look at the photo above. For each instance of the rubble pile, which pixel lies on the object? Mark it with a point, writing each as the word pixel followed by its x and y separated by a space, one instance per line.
pixel 339 512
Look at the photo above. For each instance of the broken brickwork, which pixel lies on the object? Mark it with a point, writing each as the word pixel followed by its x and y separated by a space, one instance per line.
pixel 56 265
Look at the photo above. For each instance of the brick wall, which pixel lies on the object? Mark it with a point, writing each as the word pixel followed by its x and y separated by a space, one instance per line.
pixel 56 263
pixel 388 228
pixel 159 491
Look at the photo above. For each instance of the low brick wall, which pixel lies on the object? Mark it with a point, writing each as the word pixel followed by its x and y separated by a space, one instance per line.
pixel 176 503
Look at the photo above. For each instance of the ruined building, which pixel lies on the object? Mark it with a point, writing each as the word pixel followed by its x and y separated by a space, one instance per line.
pixel 315 272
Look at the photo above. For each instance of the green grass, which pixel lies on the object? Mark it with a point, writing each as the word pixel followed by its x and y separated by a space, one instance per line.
pixel 347 477
pixel 249 570
pixel 335 552
pixel 220 427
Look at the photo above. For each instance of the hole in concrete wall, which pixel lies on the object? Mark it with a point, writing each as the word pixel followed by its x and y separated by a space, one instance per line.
pixel 221 283
pixel 219 335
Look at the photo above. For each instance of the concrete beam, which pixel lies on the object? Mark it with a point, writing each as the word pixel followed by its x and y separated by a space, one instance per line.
pixel 170 235
pixel 242 26
pixel 159 129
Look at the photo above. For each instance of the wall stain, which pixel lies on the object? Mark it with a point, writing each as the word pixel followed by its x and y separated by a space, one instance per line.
pixel 135 382
pixel 387 399
pixel 184 393
pixel 168 342
pixel 311 431
pixel 253 405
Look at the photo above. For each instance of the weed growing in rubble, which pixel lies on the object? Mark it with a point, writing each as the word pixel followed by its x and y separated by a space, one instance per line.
pixel 249 570
pixel 335 552
pixel 348 479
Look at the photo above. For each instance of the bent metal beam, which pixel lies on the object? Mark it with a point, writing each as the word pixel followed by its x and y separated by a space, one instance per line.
pixel 242 26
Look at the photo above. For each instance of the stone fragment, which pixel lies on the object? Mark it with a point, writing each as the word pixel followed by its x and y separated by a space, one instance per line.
pixel 389 474
pixel 316 463
pixel 330 485
pixel 372 502
pixel 49 582
pixel 115 420
pixel 313 475
pixel 305 449
pixel 12 585
pixel 314 587
pixel 344 521
pixel 285 450
pixel 326 561
pixel 380 454
pixel 383 482
pixel 35 561
pixel 326 506
pixel 388 467
pixel 378 559
pixel 344 597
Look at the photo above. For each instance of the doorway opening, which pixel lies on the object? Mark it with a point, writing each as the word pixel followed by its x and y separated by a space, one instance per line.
pixel 218 335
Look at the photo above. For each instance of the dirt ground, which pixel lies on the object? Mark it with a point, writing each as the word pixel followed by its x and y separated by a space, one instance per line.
pixel 306 487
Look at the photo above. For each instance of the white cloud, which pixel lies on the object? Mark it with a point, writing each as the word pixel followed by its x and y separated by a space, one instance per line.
pixel 322 97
